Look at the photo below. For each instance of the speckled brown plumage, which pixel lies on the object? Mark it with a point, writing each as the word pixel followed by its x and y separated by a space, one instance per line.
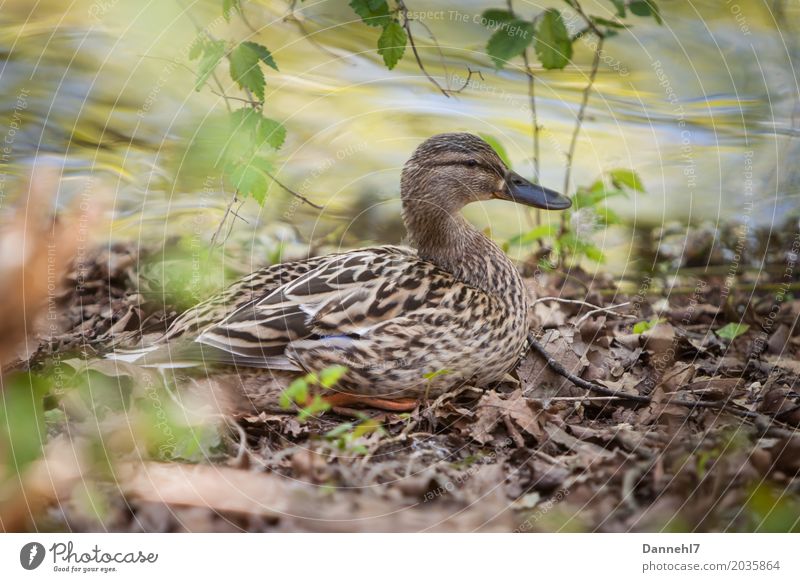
pixel 392 315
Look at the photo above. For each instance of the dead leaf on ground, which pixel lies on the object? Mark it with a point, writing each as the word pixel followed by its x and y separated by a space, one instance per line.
pixel 492 408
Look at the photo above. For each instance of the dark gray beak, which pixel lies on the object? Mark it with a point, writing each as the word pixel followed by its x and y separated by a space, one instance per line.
pixel 521 191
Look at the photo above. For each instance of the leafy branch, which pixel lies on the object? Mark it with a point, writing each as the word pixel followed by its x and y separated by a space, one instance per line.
pixel 395 22
pixel 552 42
pixel 250 134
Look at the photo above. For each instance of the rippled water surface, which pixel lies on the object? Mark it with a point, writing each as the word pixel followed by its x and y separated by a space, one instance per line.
pixel 703 107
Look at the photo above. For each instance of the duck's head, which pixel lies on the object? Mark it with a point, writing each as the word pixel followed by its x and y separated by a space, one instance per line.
pixel 450 170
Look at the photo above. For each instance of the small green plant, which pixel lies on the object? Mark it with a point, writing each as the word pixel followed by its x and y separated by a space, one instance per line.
pixel 299 392
pixel 732 330
pixel 645 326
pixel 345 436
pixel 430 377
pixel 590 214
pixel 552 41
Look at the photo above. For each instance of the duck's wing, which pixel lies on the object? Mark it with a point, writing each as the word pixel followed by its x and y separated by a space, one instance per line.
pixel 177 347
pixel 239 294
pixel 345 296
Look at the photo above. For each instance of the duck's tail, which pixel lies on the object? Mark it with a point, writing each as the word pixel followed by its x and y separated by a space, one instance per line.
pixel 190 354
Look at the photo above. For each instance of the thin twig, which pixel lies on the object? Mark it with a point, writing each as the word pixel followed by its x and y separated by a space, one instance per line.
pixel 568 301
pixel 407 26
pixel 439 50
pixel 589 22
pixel 304 31
pixel 581 114
pixel 470 72
pixel 605 310
pixel 292 192
pixel 556 366
pixel 584 399
pixel 224 218
pixel 253 102
pixel 534 117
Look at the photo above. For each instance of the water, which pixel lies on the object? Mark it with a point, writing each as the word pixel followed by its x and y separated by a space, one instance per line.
pixel 704 108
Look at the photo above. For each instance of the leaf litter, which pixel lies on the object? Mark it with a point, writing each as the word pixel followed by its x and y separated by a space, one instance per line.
pixel 711 443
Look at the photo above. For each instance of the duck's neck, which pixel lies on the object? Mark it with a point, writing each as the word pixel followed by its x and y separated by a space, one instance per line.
pixel 446 239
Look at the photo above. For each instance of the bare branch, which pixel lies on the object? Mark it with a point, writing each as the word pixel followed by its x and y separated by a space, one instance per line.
pixel 253 102
pixel 224 218
pixel 581 114
pixel 556 366
pixel 292 192
pixel 470 72
pixel 611 309
pixel 586 92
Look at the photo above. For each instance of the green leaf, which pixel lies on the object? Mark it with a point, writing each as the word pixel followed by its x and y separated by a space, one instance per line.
pixel 494 17
pixel 250 131
pixel 644 326
pixel 366 427
pixel 497 147
pixel 198 44
pixel 228 6
pixel 22 426
pixel 316 406
pixel 245 69
pixel 553 43
pixel 339 430
pixel 242 142
pixel 593 252
pixel 433 375
pixel 580 247
pixel 263 53
pixel 628 178
pixel 196 443
pixel 732 331
pixel 592 198
pixel 620 6
pixel 372 12
pixel 645 8
pixel 392 43
pixel 607 217
pixel 542 231
pixel 213 51
pixel 509 41
pixel 296 392
pixel 330 376
pixel 271 132
pixel 250 180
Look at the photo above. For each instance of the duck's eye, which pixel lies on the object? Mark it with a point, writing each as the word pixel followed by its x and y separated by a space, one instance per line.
pixel 472 163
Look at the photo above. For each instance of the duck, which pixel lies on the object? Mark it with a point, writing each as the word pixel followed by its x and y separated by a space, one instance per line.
pixel 407 323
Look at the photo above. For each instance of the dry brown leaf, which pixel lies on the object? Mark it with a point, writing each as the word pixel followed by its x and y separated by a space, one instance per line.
pixel 549 314
pixel 782 403
pixel 492 408
pixel 716 388
pixel 660 340
pixel 223 489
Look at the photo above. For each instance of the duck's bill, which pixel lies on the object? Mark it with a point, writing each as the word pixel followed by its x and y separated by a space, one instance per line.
pixel 522 191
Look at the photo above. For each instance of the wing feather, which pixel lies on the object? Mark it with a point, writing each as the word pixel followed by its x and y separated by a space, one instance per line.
pixel 345 294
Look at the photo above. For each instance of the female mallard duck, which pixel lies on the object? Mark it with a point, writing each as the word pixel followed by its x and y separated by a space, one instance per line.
pixel 392 315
